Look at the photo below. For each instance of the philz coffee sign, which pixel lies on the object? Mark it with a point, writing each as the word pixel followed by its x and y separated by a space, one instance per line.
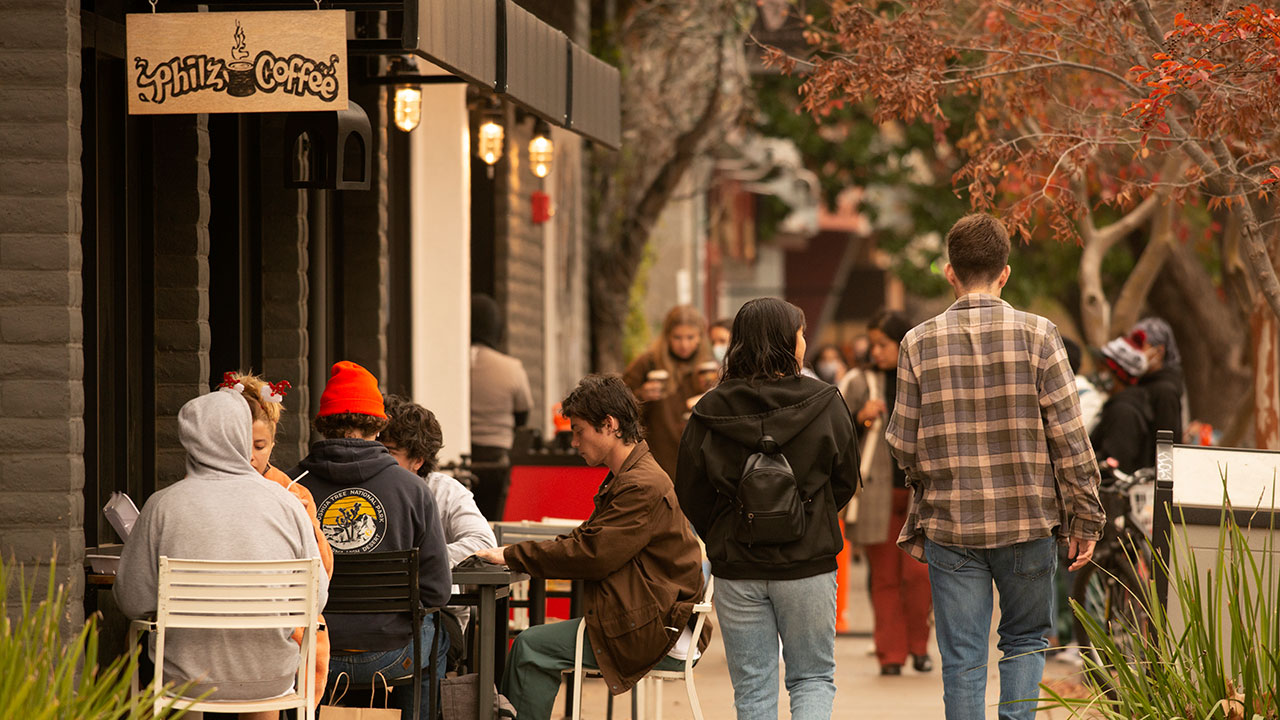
pixel 215 62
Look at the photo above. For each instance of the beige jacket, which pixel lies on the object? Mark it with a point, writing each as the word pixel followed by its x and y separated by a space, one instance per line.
pixel 876 496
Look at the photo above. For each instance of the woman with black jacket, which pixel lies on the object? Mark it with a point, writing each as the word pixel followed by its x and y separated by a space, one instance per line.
pixel 769 588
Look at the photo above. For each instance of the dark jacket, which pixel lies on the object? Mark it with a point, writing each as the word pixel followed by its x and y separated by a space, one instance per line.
pixel 809 420
pixel 367 503
pixel 642 567
pixel 1164 392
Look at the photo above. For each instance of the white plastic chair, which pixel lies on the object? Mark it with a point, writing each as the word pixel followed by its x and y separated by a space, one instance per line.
pixel 638 694
pixel 225 595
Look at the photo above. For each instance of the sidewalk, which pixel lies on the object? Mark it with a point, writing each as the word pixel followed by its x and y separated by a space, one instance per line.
pixel 860 690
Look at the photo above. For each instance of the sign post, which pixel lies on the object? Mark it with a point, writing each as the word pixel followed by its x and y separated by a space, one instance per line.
pixel 216 62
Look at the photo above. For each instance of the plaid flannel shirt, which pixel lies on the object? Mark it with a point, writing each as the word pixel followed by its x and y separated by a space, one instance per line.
pixel 987 426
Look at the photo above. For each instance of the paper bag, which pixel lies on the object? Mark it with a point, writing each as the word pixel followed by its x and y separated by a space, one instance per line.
pixel 334 712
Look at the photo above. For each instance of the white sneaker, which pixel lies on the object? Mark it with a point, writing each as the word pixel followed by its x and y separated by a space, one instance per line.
pixel 1070 656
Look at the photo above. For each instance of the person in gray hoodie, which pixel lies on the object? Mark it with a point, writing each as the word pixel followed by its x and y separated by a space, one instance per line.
pixel 222 510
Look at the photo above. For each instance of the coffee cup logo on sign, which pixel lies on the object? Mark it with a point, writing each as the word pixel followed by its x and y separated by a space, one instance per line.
pixel 240 70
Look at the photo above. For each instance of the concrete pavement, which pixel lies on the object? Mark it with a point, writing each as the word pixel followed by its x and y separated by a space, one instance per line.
pixel 861 692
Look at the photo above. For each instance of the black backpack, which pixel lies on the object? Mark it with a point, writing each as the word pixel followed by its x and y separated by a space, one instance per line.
pixel 770 509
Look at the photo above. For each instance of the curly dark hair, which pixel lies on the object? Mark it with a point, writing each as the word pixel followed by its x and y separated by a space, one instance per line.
pixel 598 397
pixel 415 430
pixel 341 425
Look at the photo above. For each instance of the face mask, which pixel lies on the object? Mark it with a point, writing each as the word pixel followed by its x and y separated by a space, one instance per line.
pixel 827 370
pixel 718 351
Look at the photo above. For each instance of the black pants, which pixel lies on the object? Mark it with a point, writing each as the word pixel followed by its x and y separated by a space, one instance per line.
pixel 492 468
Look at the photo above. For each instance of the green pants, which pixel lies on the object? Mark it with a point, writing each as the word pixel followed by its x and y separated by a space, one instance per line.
pixel 532 676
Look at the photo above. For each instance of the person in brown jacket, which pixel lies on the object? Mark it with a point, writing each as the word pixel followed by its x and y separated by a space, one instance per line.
pixel 637 554
pixel 665 379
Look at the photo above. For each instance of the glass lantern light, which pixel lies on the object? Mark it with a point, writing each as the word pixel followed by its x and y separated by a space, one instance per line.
pixel 408 107
pixel 541 149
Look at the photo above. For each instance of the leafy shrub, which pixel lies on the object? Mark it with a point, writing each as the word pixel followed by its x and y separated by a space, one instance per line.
pixel 43 677
pixel 1223 665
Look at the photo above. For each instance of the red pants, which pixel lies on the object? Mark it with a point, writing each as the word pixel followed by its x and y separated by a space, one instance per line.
pixel 899 592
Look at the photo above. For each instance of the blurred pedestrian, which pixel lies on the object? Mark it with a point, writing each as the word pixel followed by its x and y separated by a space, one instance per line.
pixel 987 426
pixel 1163 379
pixel 900 594
pixel 1091 398
pixel 860 352
pixel 780 584
pixel 719 333
pixel 665 379
pixel 1125 431
pixel 829 364
pixel 500 403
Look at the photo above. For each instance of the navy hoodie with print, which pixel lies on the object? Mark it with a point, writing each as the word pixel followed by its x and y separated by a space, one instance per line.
pixel 368 503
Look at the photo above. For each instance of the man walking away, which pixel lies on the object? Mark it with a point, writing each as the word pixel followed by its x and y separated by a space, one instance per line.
pixel 987 425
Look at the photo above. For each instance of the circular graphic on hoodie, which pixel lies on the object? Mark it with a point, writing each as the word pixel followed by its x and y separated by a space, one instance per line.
pixel 353 520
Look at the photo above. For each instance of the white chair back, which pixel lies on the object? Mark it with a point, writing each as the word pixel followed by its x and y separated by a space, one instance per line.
pixel 246 594
pixel 639 697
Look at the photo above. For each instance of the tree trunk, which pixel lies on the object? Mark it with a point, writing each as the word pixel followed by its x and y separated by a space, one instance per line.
pixel 1095 309
pixel 1133 296
pixel 681 89
pixel 1266 396
pixel 1211 336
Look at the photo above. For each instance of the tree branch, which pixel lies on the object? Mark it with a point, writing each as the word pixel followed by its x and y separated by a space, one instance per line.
pixel 1133 295
pixel 640 220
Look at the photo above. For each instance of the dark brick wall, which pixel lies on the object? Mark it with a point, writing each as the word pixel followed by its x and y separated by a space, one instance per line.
pixel 284 296
pixel 521 274
pixel 366 280
pixel 41 356
pixel 182 280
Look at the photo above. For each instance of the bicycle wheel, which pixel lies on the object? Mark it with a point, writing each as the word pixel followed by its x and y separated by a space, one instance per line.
pixel 1112 596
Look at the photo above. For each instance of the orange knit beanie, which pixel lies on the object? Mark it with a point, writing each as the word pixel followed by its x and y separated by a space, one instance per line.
pixel 351 389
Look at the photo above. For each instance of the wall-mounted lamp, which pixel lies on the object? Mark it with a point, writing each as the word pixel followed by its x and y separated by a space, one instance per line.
pixel 408 107
pixel 407 111
pixel 489 143
pixel 541 149
pixel 491 136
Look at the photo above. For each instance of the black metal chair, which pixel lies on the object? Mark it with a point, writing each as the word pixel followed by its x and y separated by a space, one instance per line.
pixel 387 582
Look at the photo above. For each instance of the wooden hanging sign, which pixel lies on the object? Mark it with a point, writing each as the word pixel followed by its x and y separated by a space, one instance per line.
pixel 218 62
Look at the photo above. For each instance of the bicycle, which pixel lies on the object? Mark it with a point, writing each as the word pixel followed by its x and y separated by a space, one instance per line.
pixel 1112 588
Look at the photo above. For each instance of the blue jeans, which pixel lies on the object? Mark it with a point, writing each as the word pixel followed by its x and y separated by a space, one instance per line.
pixel 363 667
pixel 753 615
pixel 962 579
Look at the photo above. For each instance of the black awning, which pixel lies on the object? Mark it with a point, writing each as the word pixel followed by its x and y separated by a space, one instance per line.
pixel 462 37
pixel 502 46
pixel 537 65
pixel 595 100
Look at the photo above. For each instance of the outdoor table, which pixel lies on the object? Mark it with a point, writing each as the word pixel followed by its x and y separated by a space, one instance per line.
pixel 508 533
pixel 482 587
